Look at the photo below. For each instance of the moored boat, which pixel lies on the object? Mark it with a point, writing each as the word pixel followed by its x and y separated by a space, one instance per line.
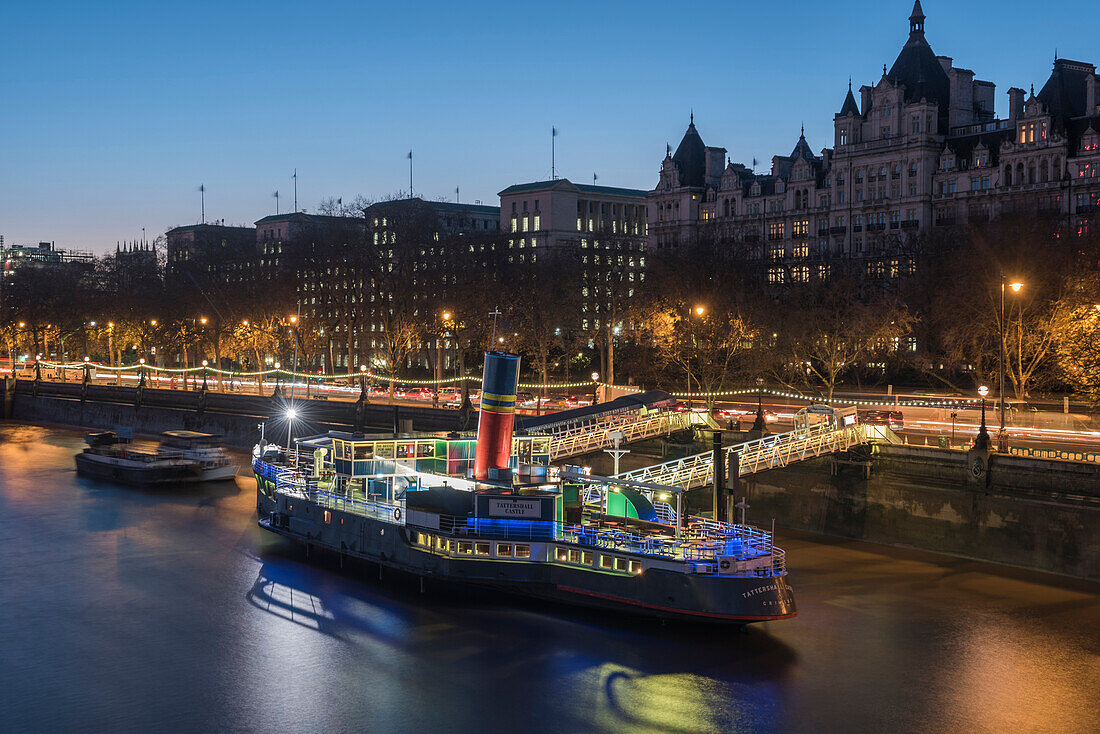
pixel 111 457
pixel 492 512
pixel 215 464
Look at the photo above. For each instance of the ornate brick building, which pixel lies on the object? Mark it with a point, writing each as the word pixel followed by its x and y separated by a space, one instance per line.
pixel 921 149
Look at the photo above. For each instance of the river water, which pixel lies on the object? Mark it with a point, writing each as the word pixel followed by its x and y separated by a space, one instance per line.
pixel 127 610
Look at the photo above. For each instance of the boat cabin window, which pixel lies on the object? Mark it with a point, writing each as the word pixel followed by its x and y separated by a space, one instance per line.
pixel 504 550
pixel 523 551
pixel 586 558
pixel 607 562
pixel 441 543
pixel 465 547
pixel 635 567
pixel 620 564
pixel 574 556
pixel 561 554
pixel 328 516
pixel 481 549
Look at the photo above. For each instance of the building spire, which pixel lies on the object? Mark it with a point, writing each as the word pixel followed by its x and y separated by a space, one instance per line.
pixel 916 20
pixel 691 120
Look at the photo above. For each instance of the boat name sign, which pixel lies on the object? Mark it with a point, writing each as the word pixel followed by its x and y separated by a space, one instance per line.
pixel 515 508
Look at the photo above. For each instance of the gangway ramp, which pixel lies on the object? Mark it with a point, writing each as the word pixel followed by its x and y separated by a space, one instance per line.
pixel 590 428
pixel 769 452
pixel 597 435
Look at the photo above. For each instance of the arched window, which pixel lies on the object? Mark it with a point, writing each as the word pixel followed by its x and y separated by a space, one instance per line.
pixel 1008 175
pixel 1056 169
pixel 1043 171
pixel 1031 172
pixel 1020 174
pixel 727 208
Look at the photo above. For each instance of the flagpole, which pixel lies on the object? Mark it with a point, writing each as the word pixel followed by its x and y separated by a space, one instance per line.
pixel 202 202
pixel 410 174
pixel 553 134
pixel 295 177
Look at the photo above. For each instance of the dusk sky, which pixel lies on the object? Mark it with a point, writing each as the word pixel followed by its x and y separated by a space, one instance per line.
pixel 113 114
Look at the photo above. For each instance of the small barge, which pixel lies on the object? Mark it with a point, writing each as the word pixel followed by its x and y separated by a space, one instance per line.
pixel 110 457
pixel 492 512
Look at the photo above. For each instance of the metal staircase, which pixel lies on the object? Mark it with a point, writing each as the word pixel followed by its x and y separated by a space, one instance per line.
pixel 770 452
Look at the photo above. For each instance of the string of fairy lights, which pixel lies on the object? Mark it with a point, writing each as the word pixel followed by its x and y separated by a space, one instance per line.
pixel 280 371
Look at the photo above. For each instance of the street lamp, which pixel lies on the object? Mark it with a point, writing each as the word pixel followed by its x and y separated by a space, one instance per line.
pixel 204 363
pixel 700 310
pixel 982 441
pixel 291 414
pixel 758 424
pixel 1002 435
pixel 595 387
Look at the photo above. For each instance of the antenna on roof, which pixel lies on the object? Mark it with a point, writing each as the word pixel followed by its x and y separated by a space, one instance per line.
pixel 295 177
pixel 553 170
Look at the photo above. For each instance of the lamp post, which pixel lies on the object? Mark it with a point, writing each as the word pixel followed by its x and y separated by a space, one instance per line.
pixel 294 330
pixel 1002 434
pixel 595 387
pixel 758 424
pixel 141 372
pixel 696 311
pixel 439 359
pixel 982 441
pixel 204 364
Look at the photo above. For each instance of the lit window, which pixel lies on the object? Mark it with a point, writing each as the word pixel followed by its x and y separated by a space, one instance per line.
pixel 504 550
pixel 523 551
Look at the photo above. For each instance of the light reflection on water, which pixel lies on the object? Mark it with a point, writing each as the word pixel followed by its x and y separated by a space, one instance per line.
pixel 125 609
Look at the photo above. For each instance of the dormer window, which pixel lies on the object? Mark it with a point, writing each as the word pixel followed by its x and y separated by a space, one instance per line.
pixel 755 190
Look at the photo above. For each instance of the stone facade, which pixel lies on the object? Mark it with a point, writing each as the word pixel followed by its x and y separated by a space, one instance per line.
pixel 921 149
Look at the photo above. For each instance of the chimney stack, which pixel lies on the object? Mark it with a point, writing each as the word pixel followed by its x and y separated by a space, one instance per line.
pixel 1092 102
pixel 864 99
pixel 1015 103
pixel 497 417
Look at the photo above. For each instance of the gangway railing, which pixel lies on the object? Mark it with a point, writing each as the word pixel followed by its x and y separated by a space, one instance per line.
pixel 769 452
pixel 583 438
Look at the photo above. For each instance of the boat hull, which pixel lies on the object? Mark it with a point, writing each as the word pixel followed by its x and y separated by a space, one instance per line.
pixel 218 473
pixel 656 592
pixel 134 476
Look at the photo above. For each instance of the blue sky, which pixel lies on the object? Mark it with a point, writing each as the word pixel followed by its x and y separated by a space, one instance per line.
pixel 114 113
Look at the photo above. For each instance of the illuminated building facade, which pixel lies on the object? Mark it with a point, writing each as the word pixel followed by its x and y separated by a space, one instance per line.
pixel 921 149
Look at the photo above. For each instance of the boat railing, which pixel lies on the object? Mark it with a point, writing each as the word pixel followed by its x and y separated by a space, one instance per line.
pixel 393 512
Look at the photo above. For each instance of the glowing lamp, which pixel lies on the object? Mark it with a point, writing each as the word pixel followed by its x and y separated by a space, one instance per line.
pixel 204 363
pixel 291 414
pixel 1015 287
pixel 983 391
pixel 278 366
pixel 595 376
